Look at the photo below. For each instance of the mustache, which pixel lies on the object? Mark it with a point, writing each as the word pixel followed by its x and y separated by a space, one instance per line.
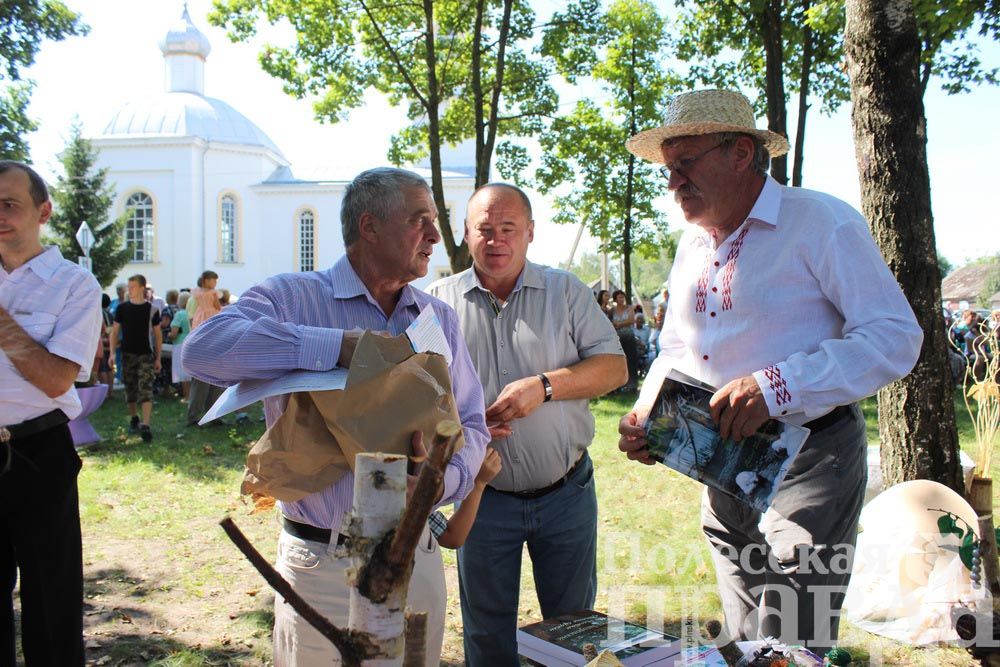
pixel 686 190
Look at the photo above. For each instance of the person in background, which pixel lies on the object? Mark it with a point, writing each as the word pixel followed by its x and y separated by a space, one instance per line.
pixel 103 370
pixel 179 329
pixel 623 318
pixel 642 333
pixel 604 301
pixel 142 344
pixel 50 316
pixel 120 291
pixel 205 302
pixel 157 302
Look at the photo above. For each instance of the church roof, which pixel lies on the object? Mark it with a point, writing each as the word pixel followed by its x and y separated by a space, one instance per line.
pixel 182 114
pixel 184 38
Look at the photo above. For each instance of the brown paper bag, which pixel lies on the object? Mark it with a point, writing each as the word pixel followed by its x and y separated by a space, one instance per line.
pixel 390 393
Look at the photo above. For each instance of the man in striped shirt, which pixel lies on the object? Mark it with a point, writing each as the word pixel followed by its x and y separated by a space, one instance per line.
pixel 50 321
pixel 313 320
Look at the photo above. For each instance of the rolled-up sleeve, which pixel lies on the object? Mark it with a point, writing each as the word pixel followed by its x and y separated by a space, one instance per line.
pixel 253 339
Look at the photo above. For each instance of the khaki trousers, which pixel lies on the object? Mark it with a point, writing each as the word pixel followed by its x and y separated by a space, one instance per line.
pixel 315 574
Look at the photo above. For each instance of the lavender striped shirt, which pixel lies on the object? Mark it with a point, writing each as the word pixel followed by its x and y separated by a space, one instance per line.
pixel 297 320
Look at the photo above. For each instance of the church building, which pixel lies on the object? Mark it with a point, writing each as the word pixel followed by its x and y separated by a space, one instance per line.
pixel 205 188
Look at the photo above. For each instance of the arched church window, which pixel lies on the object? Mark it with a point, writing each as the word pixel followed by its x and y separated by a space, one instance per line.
pixel 227 230
pixel 307 241
pixel 139 227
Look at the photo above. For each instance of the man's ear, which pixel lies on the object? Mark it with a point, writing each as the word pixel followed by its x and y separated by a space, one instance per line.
pixel 367 226
pixel 743 152
pixel 531 231
pixel 45 212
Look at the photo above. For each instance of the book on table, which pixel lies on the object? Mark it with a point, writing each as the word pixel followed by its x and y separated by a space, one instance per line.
pixel 559 641
pixel 681 434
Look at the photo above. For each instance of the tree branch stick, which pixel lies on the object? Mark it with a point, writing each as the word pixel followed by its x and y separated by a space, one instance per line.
pixel 353 646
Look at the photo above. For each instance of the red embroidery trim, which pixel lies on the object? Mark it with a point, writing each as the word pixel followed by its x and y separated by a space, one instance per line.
pixel 727 275
pixel 702 292
pixel 778 385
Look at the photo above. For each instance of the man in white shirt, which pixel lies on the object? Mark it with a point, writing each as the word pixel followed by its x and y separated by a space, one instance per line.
pixel 780 297
pixel 50 319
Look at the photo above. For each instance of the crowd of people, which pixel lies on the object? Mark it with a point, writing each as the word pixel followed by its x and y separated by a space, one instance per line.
pixel 530 345
pixel 141 346
pixel 973 336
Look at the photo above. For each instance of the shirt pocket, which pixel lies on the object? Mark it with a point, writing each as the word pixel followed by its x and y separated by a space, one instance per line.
pixel 39 326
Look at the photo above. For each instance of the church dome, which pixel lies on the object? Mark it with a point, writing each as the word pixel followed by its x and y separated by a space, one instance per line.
pixel 183 114
pixel 184 38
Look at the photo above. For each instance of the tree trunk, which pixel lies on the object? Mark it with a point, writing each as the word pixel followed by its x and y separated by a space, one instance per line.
pixel 916 414
pixel 379 498
pixel 774 65
pixel 458 253
pixel 629 187
pixel 804 74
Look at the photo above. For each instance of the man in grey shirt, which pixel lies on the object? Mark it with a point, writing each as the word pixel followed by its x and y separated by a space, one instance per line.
pixel 542 348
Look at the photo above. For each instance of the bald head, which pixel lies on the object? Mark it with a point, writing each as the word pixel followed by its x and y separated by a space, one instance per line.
pixel 492 188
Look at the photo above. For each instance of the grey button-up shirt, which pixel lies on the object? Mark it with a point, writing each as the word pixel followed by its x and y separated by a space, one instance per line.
pixel 551 320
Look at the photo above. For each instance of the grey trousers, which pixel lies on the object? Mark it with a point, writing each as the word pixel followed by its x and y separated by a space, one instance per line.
pixel 201 397
pixel 784 573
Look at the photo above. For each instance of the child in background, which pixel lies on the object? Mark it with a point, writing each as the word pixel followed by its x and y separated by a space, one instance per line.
pixel 451 533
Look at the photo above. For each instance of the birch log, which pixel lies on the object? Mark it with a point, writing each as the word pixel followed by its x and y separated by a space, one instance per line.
pixel 379 500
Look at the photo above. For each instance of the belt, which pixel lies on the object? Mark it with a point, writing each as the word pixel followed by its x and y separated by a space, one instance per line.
pixel 829 419
pixel 304 531
pixel 33 426
pixel 544 491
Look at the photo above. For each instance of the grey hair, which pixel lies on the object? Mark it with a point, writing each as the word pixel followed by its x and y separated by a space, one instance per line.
pixel 761 158
pixel 376 191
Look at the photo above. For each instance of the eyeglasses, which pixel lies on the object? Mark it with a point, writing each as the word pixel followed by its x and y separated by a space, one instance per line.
pixel 682 166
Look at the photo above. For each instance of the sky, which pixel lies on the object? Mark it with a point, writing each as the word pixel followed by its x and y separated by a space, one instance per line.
pixel 88 78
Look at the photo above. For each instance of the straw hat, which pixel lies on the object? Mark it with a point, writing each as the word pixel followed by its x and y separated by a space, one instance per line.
pixel 704 112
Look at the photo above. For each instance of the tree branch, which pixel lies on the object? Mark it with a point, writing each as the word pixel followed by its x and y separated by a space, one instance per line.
pixel 394 55
pixel 353 646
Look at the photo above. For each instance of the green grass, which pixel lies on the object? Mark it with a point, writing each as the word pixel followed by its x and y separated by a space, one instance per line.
pixel 153 548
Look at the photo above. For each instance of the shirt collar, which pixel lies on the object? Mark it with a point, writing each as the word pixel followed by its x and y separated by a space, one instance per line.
pixel 768 204
pixel 45 263
pixel 347 285
pixel 531 276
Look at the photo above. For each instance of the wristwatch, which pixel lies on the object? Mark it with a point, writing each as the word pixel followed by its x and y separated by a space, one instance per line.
pixel 547 386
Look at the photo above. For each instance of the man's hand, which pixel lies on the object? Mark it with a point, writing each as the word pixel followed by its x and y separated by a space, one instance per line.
pixel 633 439
pixel 157 364
pixel 413 467
pixel 739 408
pixel 499 430
pixel 347 346
pixel 516 400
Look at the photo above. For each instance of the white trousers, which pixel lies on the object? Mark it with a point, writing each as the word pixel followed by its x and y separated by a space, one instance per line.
pixel 320 578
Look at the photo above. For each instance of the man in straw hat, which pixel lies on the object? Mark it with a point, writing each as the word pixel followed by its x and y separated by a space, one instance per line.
pixel 780 297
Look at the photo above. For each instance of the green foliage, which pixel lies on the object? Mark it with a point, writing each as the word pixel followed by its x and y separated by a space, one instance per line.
pixel 583 158
pixel 23 26
pixel 944 265
pixel 462 70
pixel 990 287
pixel 947 51
pixel 14 121
pixel 82 194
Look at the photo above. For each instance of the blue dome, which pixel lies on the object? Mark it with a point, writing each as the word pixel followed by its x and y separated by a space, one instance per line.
pixel 180 114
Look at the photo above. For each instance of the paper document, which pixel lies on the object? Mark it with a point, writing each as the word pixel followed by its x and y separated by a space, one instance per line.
pixel 250 391
pixel 426 335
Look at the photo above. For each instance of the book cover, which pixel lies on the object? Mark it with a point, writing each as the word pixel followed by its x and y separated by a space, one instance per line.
pixel 680 434
pixel 561 640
